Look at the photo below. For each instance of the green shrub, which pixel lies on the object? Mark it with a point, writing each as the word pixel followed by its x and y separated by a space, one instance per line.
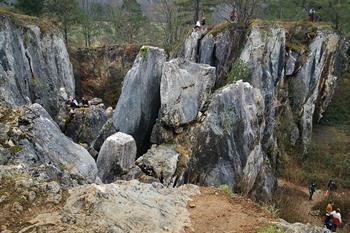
pixel 239 71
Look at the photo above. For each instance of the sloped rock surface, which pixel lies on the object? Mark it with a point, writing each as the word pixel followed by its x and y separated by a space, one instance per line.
pixel 116 156
pixel 126 207
pixel 34 139
pixel 139 103
pixel 160 162
pixel 52 146
pixel 192 44
pixel 34 65
pixel 184 89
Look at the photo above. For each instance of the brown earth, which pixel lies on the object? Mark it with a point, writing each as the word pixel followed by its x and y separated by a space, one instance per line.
pixel 217 212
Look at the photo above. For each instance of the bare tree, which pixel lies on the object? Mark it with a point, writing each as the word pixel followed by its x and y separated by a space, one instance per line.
pixel 168 16
pixel 242 10
pixel 196 10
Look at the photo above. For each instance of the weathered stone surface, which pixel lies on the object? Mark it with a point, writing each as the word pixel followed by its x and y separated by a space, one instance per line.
pixel 191 46
pixel 264 75
pixel 34 65
pixel 106 131
pixel 52 146
pixel 184 89
pixel 300 228
pixel 125 207
pixel 228 145
pixel 160 162
pixel 139 103
pixel 116 156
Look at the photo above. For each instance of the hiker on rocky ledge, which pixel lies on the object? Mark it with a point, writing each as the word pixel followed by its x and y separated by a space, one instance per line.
pixel 336 216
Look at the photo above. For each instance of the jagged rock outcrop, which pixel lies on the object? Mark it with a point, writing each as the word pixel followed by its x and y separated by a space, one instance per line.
pixel 83 124
pixel 34 139
pixel 117 155
pixel 184 90
pixel 139 103
pixel 294 67
pixel 160 162
pixel 159 210
pixel 99 72
pixel 228 145
pixel 192 45
pixel 34 63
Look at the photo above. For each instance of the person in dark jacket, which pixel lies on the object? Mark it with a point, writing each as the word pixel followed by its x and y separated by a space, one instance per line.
pixel 312 190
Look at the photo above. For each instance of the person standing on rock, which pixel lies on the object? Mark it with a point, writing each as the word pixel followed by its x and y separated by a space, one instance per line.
pixel 332 186
pixel 312 14
pixel 312 190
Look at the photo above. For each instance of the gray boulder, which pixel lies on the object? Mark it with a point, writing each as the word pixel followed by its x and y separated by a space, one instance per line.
pixel 53 147
pixel 184 90
pixel 139 103
pixel 34 64
pixel 160 162
pixel 116 156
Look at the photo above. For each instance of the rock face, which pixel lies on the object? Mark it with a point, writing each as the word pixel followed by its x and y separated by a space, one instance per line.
pixel 228 147
pixel 99 72
pixel 117 155
pixel 34 139
pixel 159 210
pixel 34 64
pixel 161 163
pixel 184 89
pixel 139 103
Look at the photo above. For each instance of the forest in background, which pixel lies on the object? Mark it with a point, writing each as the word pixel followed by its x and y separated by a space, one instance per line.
pixel 164 23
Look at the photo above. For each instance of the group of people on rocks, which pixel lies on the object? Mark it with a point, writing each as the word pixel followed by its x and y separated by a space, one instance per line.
pixel 333 216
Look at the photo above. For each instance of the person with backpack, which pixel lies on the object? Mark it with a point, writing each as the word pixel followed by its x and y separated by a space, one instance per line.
pixel 336 219
pixel 328 221
pixel 312 190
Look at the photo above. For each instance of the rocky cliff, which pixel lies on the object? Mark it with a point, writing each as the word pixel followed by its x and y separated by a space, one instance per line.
pixel 34 63
pixel 99 72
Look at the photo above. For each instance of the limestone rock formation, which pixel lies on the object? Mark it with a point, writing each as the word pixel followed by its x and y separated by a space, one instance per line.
pixel 138 105
pixel 160 162
pixel 191 45
pixel 116 156
pixel 184 90
pixel 158 210
pixel 228 145
pixel 34 63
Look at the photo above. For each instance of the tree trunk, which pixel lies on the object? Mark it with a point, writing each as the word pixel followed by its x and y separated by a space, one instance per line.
pixel 196 11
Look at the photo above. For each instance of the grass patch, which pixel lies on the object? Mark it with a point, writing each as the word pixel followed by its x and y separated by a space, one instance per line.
pixel 144 50
pixel 269 229
pixel 25 20
pixel 219 28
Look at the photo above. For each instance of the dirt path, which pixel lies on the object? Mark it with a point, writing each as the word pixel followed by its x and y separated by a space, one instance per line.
pixel 216 212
